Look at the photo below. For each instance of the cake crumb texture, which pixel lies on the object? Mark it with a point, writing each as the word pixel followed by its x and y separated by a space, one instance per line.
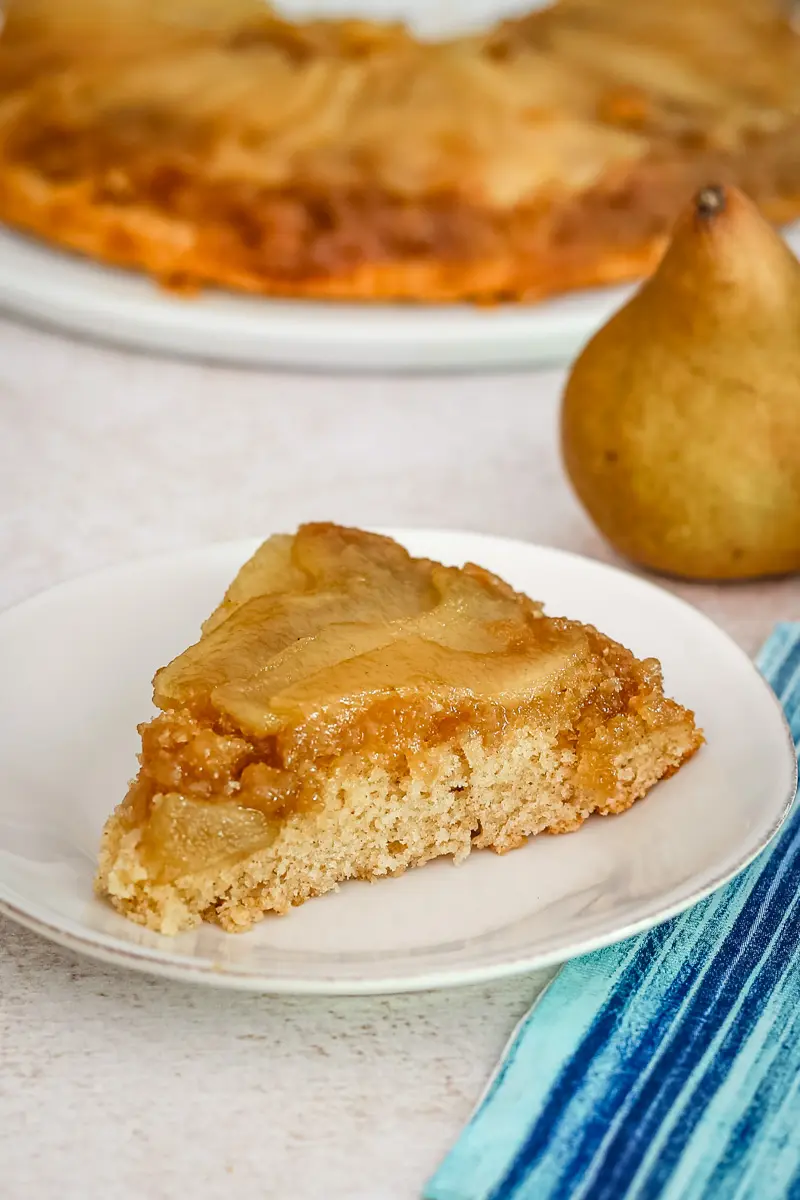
pixel 460 799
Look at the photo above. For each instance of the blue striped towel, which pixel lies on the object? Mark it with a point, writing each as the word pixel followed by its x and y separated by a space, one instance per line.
pixel 666 1067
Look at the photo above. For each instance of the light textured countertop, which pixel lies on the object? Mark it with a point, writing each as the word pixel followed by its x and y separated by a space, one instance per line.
pixel 120 1087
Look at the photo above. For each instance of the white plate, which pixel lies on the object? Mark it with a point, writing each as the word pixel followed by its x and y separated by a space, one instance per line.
pixel 75 680
pixel 81 297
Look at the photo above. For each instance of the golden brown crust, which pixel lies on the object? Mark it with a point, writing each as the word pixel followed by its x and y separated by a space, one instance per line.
pixel 346 160
pixel 141 237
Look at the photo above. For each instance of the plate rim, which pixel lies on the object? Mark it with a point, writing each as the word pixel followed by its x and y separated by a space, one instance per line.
pixel 113 306
pixel 107 949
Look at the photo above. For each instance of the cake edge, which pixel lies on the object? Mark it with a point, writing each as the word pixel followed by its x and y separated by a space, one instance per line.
pixel 514 791
pixel 182 257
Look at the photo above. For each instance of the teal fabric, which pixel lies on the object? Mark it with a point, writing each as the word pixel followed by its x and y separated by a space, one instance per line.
pixel 666 1067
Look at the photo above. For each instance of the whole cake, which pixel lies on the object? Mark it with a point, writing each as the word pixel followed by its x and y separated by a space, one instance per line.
pixel 212 142
pixel 350 711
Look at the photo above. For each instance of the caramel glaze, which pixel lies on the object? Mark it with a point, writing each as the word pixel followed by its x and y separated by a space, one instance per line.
pixel 215 765
pixel 215 761
pixel 304 231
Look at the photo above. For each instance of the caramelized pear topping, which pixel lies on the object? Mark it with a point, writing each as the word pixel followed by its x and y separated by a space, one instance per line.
pixel 184 835
pixel 284 594
pixel 335 616
pixel 336 641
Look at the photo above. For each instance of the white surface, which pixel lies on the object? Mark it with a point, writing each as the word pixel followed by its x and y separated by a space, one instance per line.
pixel 429 18
pixel 116 1086
pixel 491 917
pixel 80 297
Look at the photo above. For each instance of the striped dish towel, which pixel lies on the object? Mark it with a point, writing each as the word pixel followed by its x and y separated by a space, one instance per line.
pixel 666 1067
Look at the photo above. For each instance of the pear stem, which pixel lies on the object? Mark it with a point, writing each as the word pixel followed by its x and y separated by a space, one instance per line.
pixel 710 201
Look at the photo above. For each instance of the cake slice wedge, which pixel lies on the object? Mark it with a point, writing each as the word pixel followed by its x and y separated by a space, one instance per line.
pixel 350 711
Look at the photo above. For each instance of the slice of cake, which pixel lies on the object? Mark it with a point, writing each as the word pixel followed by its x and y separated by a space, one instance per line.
pixel 350 711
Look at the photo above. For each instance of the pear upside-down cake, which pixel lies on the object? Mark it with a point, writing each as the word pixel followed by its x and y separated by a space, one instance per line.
pixel 350 711
pixel 211 142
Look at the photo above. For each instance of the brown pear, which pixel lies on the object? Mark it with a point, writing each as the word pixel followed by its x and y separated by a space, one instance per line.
pixel 680 422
